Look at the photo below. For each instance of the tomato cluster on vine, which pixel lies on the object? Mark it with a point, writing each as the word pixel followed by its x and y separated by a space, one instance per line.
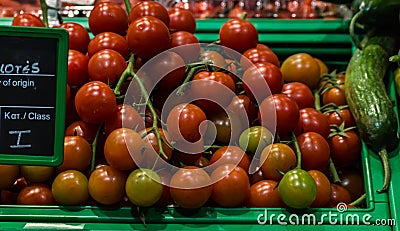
pixel 120 137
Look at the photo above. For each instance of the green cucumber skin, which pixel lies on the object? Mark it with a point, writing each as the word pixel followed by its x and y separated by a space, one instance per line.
pixel 372 108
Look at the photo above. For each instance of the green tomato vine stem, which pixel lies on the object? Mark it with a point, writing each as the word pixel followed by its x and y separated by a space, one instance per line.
pixel 297 149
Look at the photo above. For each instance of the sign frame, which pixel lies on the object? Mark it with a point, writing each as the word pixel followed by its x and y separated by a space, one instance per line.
pixel 61 37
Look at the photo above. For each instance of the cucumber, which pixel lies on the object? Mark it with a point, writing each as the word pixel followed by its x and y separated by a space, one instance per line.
pixel 368 101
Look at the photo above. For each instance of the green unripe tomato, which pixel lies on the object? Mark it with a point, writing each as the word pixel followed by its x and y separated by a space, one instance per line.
pixel 254 139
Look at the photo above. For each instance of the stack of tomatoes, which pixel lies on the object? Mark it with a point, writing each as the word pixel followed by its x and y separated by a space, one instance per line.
pixel 155 118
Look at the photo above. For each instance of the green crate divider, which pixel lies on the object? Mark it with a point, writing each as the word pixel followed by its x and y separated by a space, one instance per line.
pixel 325 39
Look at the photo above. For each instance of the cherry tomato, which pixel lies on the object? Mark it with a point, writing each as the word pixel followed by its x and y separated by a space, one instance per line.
pixel 341 116
pixel 165 198
pixel 191 187
pixel 81 128
pixel 322 66
pixel 334 95
pixel 36 194
pixel 106 66
pixel 301 93
pixel 256 177
pixel 9 174
pixel 214 56
pixel 37 174
pixel 264 194
pixel 231 187
pixel 78 36
pixel 231 155
pixel 124 116
pixel 285 109
pixel 77 154
pixel 259 55
pixel 77 68
pixel 297 189
pixel 301 67
pixel 190 49
pixel 108 40
pixel 220 90
pixel 95 102
pixel 108 16
pixel 353 181
pixel 151 154
pixel 255 138
pixel 181 20
pixel 202 162
pixel 277 157
pixel 258 78
pixel 149 8
pixel 70 188
pixel 312 120
pixel 183 122
pixel 315 151
pixel 27 19
pixel 323 189
pixel 345 149
pixel 339 194
pixel 242 103
pixel 228 127
pixel 239 35
pixel 148 36
pixel 107 185
pixel 123 149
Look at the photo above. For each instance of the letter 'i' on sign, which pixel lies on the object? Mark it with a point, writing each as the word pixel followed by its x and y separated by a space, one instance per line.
pixel 33 78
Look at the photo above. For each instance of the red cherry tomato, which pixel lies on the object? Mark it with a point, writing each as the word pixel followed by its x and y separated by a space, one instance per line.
pixel 36 194
pixel 77 68
pixel 149 8
pixel 106 66
pixel 108 40
pixel 301 93
pixel 77 154
pixel 239 35
pixel 312 120
pixel 264 194
pixel 108 16
pixel 315 151
pixel 78 38
pixel 341 116
pixel 148 36
pixel 27 19
pixel 188 53
pixel 345 150
pixel 257 55
pixel 124 116
pixel 181 20
pixel 95 102
pixel 323 189
pixel 81 128
pixel 231 155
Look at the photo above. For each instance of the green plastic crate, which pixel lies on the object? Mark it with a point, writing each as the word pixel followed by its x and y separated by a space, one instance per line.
pixel 325 39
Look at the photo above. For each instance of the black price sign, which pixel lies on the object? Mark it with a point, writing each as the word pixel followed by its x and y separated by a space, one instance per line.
pixel 33 73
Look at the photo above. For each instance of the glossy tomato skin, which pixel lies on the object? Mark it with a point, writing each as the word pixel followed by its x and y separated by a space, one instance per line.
pixel 9 173
pixel 123 149
pixel 353 181
pixel 239 35
pixel 312 120
pixel 70 188
pixel 181 20
pixel 78 36
pixel 36 194
pixel 191 48
pixel 108 40
pixel 108 16
pixel 255 138
pixel 143 187
pixel 301 93
pixel 148 36
pixel 183 122
pixel 107 185
pixel 106 66
pixel 264 194
pixel 36 173
pixel 231 155
pixel 95 102
pixel 334 95
pixel 287 113
pixel 342 116
pixel 297 189
pixel 277 156
pixel 345 150
pixel 339 194
pixel 323 189
pixel 315 151
pixel 81 128
pixel 261 76
pixel 77 68
pixel 77 154
pixel 124 116
pixel 27 19
pixel 149 8
pixel 301 67
pixel 231 186
pixel 151 154
pixel 258 55
pixel 191 187
pixel 242 103
pixel 220 88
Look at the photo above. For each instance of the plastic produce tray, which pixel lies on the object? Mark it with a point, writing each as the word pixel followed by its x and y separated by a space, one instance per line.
pixel 325 39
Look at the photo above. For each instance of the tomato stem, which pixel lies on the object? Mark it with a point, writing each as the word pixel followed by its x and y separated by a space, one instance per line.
pixel 128 6
pixel 317 101
pixel 44 7
pixel 352 32
pixel 126 74
pixel 359 200
pixel 297 149
pixel 94 147
pixel 191 71
pixel 386 168
pixel 332 168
